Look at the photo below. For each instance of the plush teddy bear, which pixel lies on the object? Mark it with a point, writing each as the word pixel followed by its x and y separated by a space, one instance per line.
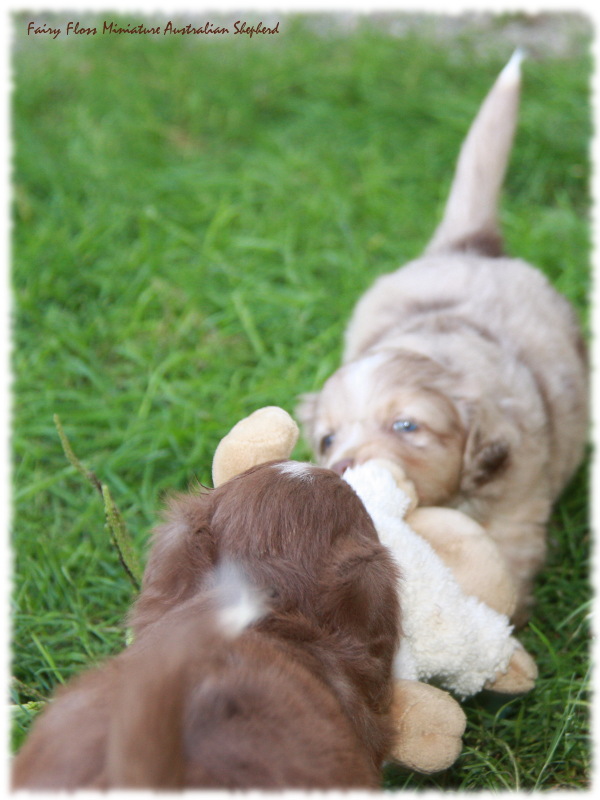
pixel 456 595
pixel 456 628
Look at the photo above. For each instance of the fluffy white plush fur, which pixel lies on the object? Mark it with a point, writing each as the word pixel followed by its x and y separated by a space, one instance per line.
pixel 447 636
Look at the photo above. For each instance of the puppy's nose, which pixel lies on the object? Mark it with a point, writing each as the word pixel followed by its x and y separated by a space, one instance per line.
pixel 341 466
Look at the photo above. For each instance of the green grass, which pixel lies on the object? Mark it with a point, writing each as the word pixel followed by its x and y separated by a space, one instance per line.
pixel 193 222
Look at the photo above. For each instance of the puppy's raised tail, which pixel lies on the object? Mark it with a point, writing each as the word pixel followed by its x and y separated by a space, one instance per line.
pixel 161 673
pixel 470 220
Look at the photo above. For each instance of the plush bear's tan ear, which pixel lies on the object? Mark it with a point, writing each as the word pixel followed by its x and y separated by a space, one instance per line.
pixel 266 435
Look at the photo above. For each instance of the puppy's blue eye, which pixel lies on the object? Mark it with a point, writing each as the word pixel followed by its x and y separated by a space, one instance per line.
pixel 405 426
pixel 326 442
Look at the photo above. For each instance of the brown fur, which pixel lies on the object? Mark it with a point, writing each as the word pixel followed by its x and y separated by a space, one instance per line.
pixel 299 699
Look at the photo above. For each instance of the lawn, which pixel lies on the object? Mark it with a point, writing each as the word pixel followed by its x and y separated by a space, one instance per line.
pixel 193 220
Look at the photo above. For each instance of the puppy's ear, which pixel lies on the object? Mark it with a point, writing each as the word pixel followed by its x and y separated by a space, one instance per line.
pixel 306 410
pixel 182 553
pixel 363 578
pixel 359 598
pixel 487 449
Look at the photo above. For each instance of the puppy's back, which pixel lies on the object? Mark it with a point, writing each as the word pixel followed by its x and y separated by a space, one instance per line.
pixel 65 749
pixel 189 707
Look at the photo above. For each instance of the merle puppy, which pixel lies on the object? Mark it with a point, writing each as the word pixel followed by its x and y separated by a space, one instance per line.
pixel 465 366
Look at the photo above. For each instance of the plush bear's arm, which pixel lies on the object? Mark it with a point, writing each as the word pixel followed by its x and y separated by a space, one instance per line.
pixel 265 435
pixel 474 558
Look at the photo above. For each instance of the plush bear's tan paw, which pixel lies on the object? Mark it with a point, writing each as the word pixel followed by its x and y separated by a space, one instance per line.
pixel 429 726
pixel 520 677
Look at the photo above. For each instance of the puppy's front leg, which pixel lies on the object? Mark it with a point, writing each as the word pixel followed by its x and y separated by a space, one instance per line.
pixel 522 542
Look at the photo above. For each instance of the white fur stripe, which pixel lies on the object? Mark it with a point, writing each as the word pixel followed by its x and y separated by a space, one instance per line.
pixel 296 469
pixel 239 604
